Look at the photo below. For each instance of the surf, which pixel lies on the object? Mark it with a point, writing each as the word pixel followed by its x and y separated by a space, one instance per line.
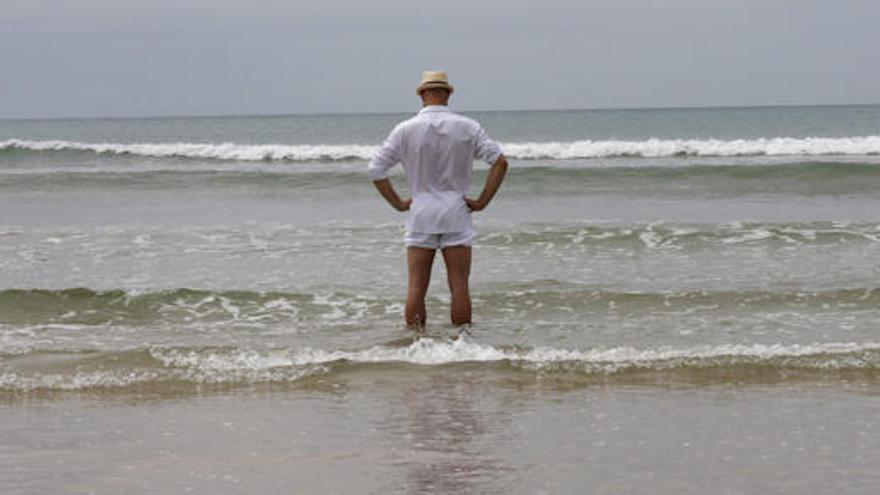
pixel 130 369
pixel 551 150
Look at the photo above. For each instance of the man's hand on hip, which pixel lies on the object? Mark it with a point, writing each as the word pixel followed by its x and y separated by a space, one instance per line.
pixel 387 191
pixel 475 204
pixel 493 182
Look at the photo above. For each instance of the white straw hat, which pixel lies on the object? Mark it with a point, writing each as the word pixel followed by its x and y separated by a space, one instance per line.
pixel 434 79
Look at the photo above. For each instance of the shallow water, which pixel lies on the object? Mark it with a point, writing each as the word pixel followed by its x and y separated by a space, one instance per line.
pixel 216 304
pixel 453 430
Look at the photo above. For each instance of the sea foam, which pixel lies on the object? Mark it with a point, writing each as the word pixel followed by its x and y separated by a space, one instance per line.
pixel 585 149
pixel 231 366
pixel 433 352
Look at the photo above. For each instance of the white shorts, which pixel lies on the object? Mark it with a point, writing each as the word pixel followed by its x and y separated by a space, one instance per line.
pixel 439 241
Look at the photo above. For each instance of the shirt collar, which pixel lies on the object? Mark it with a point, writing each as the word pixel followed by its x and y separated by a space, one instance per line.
pixel 434 108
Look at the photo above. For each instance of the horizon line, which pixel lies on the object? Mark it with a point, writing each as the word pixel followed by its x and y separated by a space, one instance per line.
pixel 349 113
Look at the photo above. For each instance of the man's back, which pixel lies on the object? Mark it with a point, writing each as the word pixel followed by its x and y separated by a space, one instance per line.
pixel 437 148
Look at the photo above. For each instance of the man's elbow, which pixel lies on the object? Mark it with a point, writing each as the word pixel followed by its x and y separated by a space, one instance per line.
pixel 500 164
pixel 377 174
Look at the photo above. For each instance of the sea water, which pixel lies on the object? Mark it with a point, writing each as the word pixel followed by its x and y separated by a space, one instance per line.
pixel 665 301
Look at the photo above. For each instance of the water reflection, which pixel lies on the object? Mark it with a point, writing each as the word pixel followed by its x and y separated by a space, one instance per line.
pixel 444 427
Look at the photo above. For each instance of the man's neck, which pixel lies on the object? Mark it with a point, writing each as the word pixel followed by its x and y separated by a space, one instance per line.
pixel 434 103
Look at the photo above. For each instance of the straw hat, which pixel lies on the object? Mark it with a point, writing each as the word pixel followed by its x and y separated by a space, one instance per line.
pixel 434 79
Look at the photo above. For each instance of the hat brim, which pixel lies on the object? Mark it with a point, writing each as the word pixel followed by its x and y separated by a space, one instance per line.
pixel 433 85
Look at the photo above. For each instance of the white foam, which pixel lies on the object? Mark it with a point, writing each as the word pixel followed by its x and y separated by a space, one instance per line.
pixel 75 381
pixel 222 361
pixel 221 151
pixel 105 379
pixel 659 148
pixel 249 366
pixel 16 341
pixel 650 148
pixel 432 352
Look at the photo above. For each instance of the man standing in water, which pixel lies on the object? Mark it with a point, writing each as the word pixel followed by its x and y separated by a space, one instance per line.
pixel 437 148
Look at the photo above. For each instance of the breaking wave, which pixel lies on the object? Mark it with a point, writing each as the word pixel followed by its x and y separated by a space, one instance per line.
pixel 231 366
pixel 585 149
pixel 81 307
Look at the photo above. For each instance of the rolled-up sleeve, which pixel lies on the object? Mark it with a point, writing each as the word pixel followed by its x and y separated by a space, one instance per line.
pixel 387 156
pixel 486 149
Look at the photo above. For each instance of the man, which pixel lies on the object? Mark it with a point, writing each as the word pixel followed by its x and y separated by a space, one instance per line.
pixel 437 148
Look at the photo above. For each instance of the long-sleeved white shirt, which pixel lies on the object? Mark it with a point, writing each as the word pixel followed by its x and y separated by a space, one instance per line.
pixel 437 148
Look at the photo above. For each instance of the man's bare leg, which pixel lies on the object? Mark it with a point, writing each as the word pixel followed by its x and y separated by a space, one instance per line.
pixel 419 261
pixel 458 270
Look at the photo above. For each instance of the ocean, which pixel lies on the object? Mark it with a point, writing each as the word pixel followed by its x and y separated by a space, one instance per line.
pixel 665 301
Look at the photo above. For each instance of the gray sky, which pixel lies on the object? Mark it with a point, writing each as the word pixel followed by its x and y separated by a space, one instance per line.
pixel 188 57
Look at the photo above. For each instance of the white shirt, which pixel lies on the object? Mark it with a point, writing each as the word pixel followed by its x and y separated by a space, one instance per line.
pixel 437 148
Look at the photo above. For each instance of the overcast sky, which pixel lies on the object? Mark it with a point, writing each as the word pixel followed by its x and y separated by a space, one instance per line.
pixel 65 58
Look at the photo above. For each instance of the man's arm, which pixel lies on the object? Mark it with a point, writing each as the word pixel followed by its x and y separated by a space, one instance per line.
pixel 386 157
pixel 386 189
pixel 493 182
